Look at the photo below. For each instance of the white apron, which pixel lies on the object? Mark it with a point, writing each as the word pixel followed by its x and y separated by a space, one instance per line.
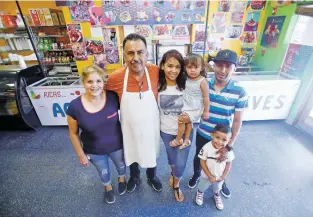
pixel 140 126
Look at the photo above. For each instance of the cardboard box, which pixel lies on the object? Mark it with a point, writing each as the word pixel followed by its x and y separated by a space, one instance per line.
pixel 28 20
pixel 48 17
pixel 61 18
pixel 9 21
pixel 35 17
pixel 41 17
pixel 55 19
pixel 51 16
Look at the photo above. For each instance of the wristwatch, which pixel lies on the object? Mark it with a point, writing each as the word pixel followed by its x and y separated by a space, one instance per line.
pixel 229 148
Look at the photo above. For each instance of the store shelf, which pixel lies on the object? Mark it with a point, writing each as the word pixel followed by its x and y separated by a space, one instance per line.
pixel 60 26
pixel 16 51
pixel 14 37
pixel 58 50
pixel 53 36
pixel 58 64
pixel 14 28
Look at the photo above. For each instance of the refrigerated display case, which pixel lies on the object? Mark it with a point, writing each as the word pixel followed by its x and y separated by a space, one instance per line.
pixel 51 97
pixel 16 110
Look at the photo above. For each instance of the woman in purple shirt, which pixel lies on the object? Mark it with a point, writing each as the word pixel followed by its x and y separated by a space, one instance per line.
pixel 95 113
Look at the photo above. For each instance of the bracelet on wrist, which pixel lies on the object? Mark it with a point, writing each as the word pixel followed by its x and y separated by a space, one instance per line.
pixel 229 148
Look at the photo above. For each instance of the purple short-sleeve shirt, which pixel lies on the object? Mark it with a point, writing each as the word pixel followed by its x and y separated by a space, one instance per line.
pixel 101 131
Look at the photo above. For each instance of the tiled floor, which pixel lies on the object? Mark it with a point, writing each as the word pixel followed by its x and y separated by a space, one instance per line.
pixel 272 175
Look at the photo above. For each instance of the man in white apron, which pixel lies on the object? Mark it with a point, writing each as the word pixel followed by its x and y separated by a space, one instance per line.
pixel 136 85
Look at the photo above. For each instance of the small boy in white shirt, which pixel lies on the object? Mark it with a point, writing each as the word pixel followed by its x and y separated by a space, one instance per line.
pixel 214 172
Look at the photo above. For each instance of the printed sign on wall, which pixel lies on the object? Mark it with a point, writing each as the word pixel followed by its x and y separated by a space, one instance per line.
pixel 133 12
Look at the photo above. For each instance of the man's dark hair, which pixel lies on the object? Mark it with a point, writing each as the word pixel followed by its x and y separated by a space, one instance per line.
pixel 134 37
pixel 222 128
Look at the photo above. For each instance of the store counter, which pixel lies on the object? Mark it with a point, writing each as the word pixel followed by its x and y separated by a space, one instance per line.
pixel 270 96
pixel 51 97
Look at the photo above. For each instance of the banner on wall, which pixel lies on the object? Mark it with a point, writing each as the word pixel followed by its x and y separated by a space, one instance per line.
pixel 133 12
pixel 296 59
pixel 272 31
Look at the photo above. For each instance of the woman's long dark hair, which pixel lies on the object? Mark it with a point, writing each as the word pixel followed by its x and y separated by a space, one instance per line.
pixel 181 78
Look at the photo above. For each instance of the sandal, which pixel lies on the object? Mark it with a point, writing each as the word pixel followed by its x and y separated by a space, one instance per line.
pixel 185 144
pixel 171 181
pixel 179 196
pixel 175 142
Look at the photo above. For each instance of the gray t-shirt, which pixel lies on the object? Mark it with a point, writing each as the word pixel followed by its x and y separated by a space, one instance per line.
pixel 170 105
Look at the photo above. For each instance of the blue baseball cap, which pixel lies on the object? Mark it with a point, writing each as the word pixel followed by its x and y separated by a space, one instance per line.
pixel 226 56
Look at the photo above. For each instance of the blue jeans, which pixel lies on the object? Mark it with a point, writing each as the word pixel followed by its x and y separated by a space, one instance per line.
pixel 101 162
pixel 177 158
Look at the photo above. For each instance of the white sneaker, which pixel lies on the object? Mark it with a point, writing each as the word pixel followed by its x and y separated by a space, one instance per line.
pixel 199 198
pixel 218 202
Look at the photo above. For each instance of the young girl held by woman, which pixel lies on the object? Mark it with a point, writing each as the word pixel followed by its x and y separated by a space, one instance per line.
pixel 196 99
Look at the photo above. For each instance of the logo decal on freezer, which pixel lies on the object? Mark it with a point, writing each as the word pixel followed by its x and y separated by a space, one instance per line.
pixel 34 96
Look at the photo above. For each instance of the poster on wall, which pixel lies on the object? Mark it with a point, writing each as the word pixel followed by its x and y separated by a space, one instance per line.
pixel 109 38
pixel 296 59
pixel 236 17
pixel 145 31
pixel 112 55
pixel 132 12
pixel 272 31
pixel 223 5
pixel 257 4
pixel 249 38
pixel 94 46
pixel 162 32
pixel 278 3
pixel 79 13
pixel 62 3
pixel 198 45
pixel 79 51
pixel 96 16
pixel 75 33
pixel 233 31
pixel 252 21
pixel 214 44
pixel 181 32
pixel 219 23
pixel 100 60
pixel 238 6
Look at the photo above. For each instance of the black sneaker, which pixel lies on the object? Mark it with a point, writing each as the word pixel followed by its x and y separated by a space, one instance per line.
pixel 193 182
pixel 155 183
pixel 109 196
pixel 121 188
pixel 225 191
pixel 132 184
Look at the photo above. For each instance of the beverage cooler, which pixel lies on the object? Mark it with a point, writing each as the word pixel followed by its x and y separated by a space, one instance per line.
pixel 16 110
pixel 51 97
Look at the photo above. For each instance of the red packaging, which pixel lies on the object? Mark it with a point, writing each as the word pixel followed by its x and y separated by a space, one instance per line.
pixel 35 17
pixel 9 21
